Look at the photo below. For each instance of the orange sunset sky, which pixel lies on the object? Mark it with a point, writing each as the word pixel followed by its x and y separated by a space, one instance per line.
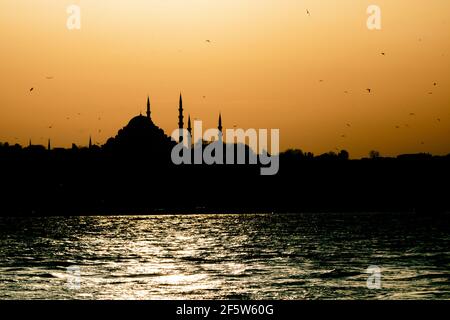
pixel 262 69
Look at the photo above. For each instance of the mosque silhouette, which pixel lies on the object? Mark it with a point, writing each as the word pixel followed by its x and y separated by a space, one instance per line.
pixel 142 136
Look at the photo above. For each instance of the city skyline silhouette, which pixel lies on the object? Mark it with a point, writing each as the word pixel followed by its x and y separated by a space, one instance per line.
pixel 141 120
pixel 281 66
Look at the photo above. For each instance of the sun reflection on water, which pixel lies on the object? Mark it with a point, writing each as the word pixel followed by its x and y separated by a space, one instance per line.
pixel 225 256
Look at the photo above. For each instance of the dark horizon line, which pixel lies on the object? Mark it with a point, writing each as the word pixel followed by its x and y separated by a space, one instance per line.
pixel 342 153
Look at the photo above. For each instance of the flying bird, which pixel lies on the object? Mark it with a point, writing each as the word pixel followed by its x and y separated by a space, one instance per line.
pixel 369 90
pixel 412 114
pixel 31 89
pixel 308 13
pixel 209 41
pixel 383 53
pixel 438 119
pixel 397 127
pixel 49 78
pixel 435 84
pixel 348 125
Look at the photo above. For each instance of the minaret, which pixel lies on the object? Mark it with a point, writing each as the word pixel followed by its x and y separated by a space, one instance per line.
pixel 219 127
pixel 220 123
pixel 49 145
pixel 189 128
pixel 180 116
pixel 148 107
pixel 29 144
pixel 90 142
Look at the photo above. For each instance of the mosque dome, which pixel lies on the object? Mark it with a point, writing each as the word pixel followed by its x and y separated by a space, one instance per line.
pixel 140 121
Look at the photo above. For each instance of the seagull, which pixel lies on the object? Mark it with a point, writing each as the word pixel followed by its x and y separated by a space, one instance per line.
pixel 204 97
pixel 397 127
pixel 438 119
pixel 209 41
pixel 430 92
pixel 320 80
pixel 49 78
pixel 369 90
pixel 348 125
pixel 308 13
pixel 50 127
pixel 383 53
pixel 343 136
pixel 31 89
pixel 412 114
pixel 345 91
pixel 435 84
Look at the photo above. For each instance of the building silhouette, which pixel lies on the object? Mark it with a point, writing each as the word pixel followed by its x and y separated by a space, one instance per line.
pixel 142 137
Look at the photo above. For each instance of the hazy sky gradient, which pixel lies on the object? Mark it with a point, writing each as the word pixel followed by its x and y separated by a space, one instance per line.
pixel 261 70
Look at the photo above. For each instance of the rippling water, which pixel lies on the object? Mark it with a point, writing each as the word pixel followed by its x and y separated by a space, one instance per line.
pixel 303 256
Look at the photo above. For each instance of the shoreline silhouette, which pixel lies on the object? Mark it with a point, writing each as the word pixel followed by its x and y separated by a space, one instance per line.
pixel 133 173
